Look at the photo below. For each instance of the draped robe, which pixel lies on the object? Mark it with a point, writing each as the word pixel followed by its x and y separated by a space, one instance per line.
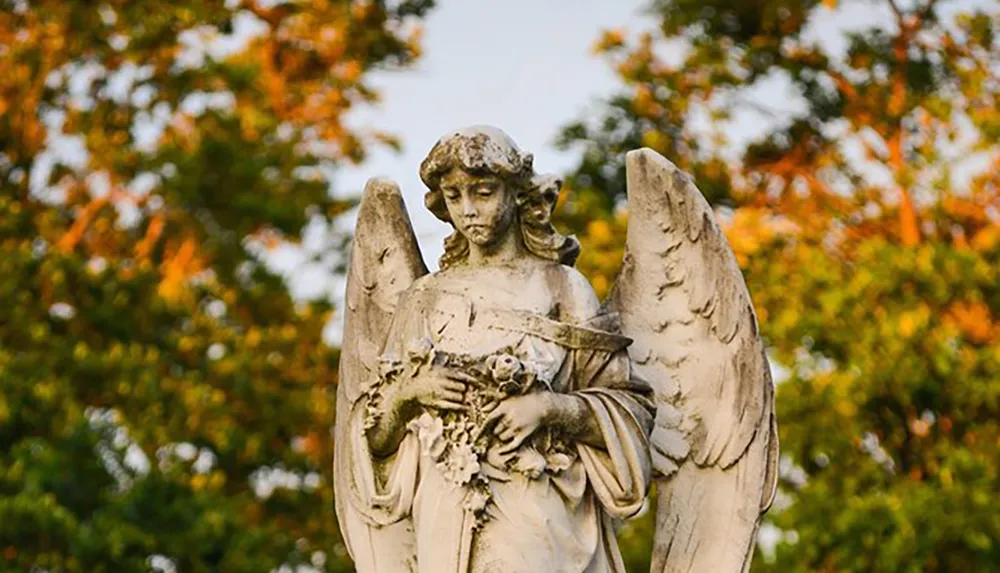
pixel 557 517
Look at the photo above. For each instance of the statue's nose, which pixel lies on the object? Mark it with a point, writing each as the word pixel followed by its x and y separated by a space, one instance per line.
pixel 469 208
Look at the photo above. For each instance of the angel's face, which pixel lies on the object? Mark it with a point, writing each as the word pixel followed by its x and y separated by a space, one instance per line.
pixel 481 207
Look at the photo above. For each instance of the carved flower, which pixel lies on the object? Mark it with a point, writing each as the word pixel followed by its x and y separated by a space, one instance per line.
pixel 530 463
pixel 373 409
pixel 388 367
pixel 372 415
pixel 558 462
pixel 504 367
pixel 476 500
pixel 460 464
pixel 534 372
pixel 420 350
pixel 430 432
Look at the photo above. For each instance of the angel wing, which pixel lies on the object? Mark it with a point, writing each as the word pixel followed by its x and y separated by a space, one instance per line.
pixel 384 261
pixel 683 301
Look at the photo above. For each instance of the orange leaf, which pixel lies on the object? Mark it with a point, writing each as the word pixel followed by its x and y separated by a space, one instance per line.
pixel 72 237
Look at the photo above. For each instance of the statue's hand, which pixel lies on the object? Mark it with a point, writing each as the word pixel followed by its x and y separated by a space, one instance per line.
pixel 436 387
pixel 516 419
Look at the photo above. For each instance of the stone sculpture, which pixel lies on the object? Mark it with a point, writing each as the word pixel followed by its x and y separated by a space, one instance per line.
pixel 494 416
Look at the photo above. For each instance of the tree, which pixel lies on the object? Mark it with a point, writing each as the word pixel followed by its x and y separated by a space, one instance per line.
pixel 867 222
pixel 165 403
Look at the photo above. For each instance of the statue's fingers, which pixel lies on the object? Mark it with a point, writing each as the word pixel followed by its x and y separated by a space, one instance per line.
pixel 452 395
pixel 506 434
pixel 449 405
pixel 515 441
pixel 461 376
pixel 452 386
pixel 500 428
pixel 490 422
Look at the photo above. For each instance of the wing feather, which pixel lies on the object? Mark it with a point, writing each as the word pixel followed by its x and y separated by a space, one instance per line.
pixel 384 261
pixel 683 301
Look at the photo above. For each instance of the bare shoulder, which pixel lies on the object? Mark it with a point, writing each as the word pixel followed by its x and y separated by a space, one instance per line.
pixel 425 281
pixel 442 279
pixel 422 283
pixel 577 299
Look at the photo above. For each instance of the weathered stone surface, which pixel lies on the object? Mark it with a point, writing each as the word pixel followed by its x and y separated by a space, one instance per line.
pixel 494 416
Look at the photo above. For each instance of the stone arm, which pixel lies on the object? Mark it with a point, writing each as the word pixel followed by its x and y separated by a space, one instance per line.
pixel 385 427
pixel 570 412
pixel 403 400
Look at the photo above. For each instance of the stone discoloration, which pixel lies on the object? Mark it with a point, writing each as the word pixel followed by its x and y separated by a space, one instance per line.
pixel 682 298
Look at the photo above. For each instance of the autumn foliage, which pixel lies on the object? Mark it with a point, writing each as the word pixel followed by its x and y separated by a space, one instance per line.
pixel 165 404
pixel 857 175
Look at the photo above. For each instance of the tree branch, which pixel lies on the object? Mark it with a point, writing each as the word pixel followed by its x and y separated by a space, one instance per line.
pixel 900 15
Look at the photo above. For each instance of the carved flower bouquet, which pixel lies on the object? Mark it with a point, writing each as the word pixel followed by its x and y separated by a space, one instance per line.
pixel 454 439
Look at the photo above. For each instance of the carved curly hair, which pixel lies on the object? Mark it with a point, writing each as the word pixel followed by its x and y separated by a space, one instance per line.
pixel 488 150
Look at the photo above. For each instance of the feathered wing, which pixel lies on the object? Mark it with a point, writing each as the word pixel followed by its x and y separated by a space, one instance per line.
pixel 384 261
pixel 683 301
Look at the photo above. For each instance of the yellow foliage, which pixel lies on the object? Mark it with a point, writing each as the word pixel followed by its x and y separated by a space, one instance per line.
pixel 216 480
pixel 750 229
pixel 908 323
pixel 218 397
pixel 608 40
pixel 599 231
pixel 975 321
pixel 177 268
pixel 655 140
pixel 198 482
pixel 600 284
pixel 153 231
pixel 351 71
pixel 45 391
pixel 253 337
pixel 846 408
pixel 186 344
pixel 986 239
pixel 946 478
pixel 645 104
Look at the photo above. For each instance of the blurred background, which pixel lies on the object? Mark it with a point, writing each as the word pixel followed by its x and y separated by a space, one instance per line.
pixel 177 184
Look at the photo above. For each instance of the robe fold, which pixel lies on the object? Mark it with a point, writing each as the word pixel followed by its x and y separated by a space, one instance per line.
pixel 547 511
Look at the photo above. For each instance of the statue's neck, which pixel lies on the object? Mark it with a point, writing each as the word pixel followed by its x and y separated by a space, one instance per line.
pixel 505 251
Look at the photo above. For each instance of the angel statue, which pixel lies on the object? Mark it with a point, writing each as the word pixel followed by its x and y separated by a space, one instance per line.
pixel 494 416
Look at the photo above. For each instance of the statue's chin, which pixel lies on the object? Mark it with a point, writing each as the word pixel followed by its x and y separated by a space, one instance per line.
pixel 480 238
